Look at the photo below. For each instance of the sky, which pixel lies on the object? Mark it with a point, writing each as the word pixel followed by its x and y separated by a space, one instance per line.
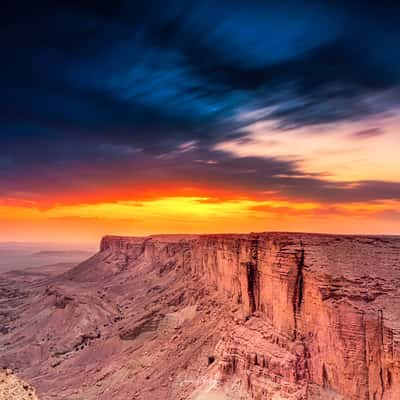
pixel 133 118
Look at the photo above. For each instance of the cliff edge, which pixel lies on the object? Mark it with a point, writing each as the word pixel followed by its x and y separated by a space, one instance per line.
pixel 257 316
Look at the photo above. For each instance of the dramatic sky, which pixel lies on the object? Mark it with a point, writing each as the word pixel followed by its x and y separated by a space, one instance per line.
pixel 155 116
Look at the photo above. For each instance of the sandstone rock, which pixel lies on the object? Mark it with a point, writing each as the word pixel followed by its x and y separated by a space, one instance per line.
pixel 285 316
pixel 12 388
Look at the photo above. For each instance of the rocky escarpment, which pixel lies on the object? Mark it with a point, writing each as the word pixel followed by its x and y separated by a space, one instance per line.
pixel 258 316
pixel 331 305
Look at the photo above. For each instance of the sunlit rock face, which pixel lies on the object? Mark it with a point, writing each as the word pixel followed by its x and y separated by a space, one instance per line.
pixel 327 306
pixel 13 388
pixel 258 316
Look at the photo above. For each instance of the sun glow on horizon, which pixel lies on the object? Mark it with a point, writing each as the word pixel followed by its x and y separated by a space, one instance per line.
pixel 88 222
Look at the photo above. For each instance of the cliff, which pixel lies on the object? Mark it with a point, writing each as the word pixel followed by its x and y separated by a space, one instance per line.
pixel 333 303
pixel 258 316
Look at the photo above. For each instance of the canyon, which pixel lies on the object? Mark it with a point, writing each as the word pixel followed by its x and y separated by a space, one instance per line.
pixel 235 316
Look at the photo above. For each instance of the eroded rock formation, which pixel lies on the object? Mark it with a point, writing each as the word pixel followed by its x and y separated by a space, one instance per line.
pixel 281 316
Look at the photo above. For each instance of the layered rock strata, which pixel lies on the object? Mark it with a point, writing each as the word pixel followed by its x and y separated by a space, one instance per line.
pixel 258 316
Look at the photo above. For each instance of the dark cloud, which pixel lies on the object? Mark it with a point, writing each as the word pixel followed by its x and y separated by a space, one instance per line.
pixel 105 173
pixel 368 133
pixel 98 91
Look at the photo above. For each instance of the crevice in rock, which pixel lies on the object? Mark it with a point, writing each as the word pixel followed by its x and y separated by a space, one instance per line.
pixel 325 379
pixel 389 378
pixel 251 285
pixel 381 381
pixel 239 298
pixel 298 293
pixel 253 277
pixel 381 375
pixel 365 349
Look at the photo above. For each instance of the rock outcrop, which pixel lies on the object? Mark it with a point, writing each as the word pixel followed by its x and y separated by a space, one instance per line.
pixel 12 388
pixel 258 316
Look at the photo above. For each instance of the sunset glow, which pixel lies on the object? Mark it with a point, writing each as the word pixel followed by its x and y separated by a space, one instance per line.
pixel 86 222
pixel 249 118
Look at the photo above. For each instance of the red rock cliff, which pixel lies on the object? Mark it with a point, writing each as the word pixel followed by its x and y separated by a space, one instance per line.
pixel 267 316
pixel 324 311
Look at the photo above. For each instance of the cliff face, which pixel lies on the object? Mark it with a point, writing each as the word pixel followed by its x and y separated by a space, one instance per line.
pixel 331 306
pixel 259 316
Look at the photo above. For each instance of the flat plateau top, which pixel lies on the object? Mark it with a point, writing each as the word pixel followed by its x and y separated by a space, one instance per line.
pixel 347 256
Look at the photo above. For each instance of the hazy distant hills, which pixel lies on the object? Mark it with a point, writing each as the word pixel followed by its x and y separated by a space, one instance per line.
pixel 14 255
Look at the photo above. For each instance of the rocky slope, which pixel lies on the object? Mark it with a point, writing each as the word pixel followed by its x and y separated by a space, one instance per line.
pixel 258 316
pixel 12 388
